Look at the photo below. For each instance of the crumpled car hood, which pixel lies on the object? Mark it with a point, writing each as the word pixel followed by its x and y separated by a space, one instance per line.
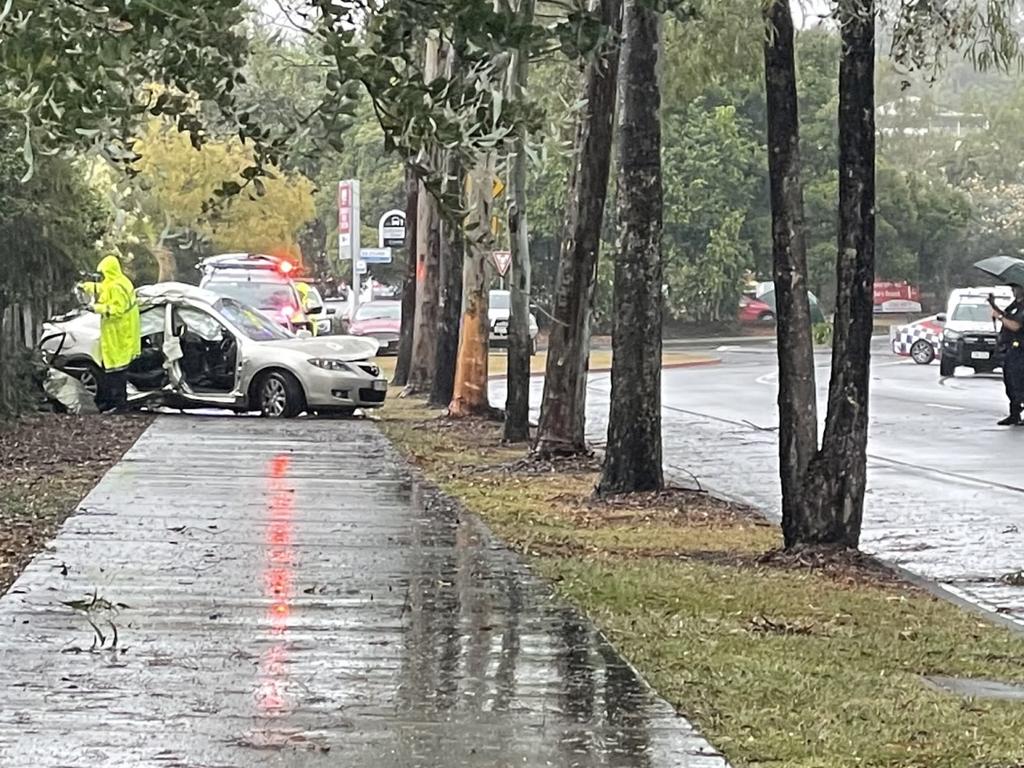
pixel 348 349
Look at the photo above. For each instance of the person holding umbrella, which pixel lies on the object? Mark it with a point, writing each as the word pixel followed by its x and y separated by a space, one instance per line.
pixel 1010 270
pixel 1011 344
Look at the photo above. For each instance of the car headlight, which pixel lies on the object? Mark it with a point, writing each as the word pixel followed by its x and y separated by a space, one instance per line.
pixel 329 364
pixel 951 336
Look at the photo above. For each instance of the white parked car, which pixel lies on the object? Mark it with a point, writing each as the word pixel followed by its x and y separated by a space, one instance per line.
pixel 201 350
pixel 971 334
pixel 498 315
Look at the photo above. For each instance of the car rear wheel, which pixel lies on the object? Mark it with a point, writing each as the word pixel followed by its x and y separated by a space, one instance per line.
pixel 947 366
pixel 280 396
pixel 922 352
pixel 766 317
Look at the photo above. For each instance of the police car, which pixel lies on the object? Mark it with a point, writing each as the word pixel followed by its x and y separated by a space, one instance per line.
pixel 921 340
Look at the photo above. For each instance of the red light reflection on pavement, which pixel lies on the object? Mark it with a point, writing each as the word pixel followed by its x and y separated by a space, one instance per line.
pixel 278 579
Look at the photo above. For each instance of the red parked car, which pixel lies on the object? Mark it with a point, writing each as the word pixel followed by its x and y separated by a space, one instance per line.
pixel 381 320
pixel 753 311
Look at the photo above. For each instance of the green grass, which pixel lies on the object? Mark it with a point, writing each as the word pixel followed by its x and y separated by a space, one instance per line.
pixel 777 666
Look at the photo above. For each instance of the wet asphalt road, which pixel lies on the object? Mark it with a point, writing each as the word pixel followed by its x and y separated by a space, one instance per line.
pixel 945 484
pixel 239 593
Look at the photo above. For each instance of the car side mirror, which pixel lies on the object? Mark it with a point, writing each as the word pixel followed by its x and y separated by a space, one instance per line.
pixel 940 318
pixel 304 334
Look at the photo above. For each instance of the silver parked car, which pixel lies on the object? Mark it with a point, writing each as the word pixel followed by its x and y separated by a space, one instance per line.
pixel 200 350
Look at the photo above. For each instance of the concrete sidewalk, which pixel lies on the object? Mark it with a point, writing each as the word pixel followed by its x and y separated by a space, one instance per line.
pixel 240 593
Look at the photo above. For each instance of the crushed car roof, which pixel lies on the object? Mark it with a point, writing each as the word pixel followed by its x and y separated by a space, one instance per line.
pixel 171 291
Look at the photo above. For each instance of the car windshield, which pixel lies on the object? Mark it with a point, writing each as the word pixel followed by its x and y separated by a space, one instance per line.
pixel 499 300
pixel 251 322
pixel 381 311
pixel 972 313
pixel 260 294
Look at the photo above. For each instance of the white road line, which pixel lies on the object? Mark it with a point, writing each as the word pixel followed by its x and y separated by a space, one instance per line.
pixel 945 407
pixel 767 378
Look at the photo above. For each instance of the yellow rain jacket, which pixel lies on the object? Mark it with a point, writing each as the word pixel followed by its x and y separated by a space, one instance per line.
pixel 302 315
pixel 120 335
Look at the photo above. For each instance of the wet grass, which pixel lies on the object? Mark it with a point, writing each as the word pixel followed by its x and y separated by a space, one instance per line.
pixel 779 661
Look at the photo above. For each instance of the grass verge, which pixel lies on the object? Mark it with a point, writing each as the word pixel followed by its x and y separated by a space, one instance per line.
pixel 600 359
pixel 801 662
pixel 47 464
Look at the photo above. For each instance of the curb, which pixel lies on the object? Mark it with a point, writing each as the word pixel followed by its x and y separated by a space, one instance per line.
pixel 700 363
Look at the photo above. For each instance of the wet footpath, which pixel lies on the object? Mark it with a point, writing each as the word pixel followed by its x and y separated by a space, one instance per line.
pixel 239 593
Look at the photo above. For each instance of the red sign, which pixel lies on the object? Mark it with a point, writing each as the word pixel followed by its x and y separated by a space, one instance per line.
pixel 896 292
pixel 344 208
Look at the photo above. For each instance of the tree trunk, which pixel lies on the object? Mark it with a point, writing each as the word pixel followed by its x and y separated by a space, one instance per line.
pixel 633 453
pixel 453 252
pixel 798 413
pixel 166 264
pixel 563 407
pixel 470 396
pixel 837 478
pixel 412 196
pixel 312 241
pixel 517 403
pixel 424 343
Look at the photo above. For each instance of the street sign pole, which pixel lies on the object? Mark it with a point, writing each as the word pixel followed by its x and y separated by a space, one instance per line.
pixel 348 235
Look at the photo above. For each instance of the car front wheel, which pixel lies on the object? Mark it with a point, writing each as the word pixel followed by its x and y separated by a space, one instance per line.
pixel 922 352
pixel 280 396
pixel 90 376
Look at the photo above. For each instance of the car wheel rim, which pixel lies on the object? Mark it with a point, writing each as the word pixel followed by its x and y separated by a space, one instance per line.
pixel 920 353
pixel 88 381
pixel 275 399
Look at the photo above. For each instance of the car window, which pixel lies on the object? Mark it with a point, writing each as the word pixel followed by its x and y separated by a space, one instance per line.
pixel 265 295
pixel 972 313
pixel 379 311
pixel 203 324
pixel 499 300
pixel 151 321
pixel 251 322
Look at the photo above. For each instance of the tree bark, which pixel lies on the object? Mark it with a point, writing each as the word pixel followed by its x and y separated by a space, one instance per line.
pixel 166 264
pixel 424 344
pixel 563 407
pixel 837 478
pixel 453 253
pixel 517 403
pixel 412 196
pixel 470 397
pixel 798 413
pixel 633 453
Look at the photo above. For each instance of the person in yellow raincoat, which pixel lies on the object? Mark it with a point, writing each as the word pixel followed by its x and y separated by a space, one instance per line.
pixel 120 336
pixel 302 316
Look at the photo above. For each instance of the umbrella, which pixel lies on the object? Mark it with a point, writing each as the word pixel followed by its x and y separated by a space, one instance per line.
pixel 817 316
pixel 1006 269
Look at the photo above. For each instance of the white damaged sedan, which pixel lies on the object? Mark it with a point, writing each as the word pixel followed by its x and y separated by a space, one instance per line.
pixel 200 350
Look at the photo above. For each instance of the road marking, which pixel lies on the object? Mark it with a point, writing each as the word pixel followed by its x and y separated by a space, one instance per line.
pixel 945 407
pixel 767 378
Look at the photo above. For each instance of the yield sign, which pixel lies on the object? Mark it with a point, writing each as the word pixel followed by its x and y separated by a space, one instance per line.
pixel 501 260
